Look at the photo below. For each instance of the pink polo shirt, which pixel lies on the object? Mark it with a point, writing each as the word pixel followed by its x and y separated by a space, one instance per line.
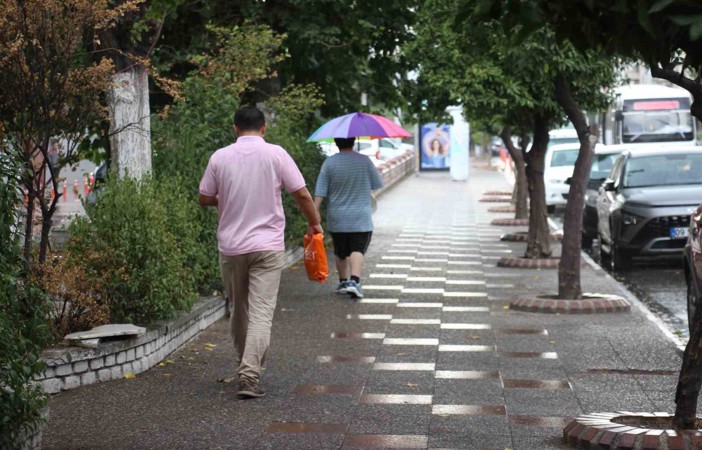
pixel 247 177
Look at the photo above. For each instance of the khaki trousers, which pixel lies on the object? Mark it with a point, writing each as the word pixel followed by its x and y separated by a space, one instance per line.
pixel 251 282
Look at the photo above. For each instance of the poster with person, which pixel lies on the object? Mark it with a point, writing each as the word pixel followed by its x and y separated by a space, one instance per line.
pixel 435 151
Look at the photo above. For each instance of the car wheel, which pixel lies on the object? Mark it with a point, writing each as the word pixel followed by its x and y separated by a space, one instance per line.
pixel 621 260
pixel 586 242
pixel 692 302
pixel 550 209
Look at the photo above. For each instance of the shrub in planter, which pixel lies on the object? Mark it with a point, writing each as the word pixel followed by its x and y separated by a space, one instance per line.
pixel 23 324
pixel 139 247
pixel 79 301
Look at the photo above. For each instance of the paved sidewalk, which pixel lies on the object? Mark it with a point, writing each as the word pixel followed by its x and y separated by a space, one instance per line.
pixel 429 359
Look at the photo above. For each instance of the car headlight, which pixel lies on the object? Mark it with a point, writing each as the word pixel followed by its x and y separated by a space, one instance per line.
pixel 629 219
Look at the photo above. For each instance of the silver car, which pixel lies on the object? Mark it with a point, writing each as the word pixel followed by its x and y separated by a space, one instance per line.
pixel 644 205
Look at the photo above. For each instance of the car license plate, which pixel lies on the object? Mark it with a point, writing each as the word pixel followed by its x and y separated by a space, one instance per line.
pixel 679 233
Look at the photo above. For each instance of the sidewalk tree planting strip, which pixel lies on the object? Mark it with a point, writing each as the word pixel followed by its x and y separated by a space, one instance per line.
pixel 587 304
pixel 630 430
pixel 510 222
pixel 523 236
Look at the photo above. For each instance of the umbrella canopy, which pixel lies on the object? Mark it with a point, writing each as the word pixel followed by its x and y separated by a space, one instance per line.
pixel 358 125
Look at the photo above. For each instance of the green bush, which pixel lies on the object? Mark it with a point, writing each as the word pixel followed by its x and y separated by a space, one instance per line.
pixel 143 233
pixel 24 331
pixel 201 122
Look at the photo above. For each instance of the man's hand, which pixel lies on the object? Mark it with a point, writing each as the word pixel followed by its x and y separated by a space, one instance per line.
pixel 314 229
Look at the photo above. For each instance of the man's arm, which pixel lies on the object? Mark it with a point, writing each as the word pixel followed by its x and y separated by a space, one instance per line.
pixel 318 202
pixel 207 200
pixel 304 201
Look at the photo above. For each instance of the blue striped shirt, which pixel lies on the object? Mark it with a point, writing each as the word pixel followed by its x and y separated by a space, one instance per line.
pixel 347 180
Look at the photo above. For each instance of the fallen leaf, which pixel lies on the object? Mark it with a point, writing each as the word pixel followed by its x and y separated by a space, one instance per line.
pixel 411 385
pixel 166 374
pixel 129 376
pixel 168 361
pixel 473 338
pixel 211 345
pixel 209 349
pixel 228 379
pixel 536 277
pixel 161 365
pixel 552 342
pixel 505 307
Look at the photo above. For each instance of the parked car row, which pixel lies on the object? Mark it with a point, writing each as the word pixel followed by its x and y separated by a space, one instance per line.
pixel 378 150
pixel 644 205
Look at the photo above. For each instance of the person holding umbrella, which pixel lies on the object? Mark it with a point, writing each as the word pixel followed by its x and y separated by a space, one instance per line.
pixel 347 180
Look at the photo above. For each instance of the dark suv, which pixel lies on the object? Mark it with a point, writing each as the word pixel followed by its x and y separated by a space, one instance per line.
pixel 644 205
pixel 692 259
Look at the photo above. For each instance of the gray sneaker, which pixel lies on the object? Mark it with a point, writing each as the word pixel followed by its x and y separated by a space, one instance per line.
pixel 250 389
pixel 342 287
pixel 354 289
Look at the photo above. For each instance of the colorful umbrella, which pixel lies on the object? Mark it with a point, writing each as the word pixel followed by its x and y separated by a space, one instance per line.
pixel 358 125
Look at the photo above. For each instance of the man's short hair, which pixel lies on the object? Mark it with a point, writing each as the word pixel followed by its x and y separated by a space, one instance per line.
pixel 344 143
pixel 249 118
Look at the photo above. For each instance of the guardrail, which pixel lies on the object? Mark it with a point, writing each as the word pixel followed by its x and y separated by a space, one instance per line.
pixel 396 169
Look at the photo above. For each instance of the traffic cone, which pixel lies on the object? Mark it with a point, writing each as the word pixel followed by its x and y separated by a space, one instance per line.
pixel 65 190
pixel 75 190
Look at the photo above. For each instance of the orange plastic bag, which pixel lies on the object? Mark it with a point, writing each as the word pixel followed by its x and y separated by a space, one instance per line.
pixel 316 258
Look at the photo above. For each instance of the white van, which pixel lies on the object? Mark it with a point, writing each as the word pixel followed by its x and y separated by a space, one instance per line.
pixel 559 164
pixel 378 150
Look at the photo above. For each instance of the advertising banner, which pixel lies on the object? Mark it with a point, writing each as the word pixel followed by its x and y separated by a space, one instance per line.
pixel 435 149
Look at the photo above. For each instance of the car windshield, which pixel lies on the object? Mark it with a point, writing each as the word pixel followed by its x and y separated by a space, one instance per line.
pixel 663 170
pixel 563 158
pixel 562 140
pixel 602 165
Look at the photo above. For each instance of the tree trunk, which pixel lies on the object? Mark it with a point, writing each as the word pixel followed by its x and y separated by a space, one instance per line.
pixel 28 225
pixel 690 379
pixel 569 287
pixel 539 239
pixel 679 79
pixel 521 190
pixel 130 122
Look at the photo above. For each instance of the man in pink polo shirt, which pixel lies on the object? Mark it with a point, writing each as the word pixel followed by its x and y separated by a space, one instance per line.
pixel 243 181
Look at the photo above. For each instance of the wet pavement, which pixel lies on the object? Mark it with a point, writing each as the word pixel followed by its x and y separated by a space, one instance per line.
pixel 658 282
pixel 431 358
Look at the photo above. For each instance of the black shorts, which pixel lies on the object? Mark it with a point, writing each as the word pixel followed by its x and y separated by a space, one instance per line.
pixel 347 243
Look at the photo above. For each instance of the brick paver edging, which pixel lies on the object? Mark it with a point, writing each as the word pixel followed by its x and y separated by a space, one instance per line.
pixel 589 304
pixel 510 222
pixel 495 200
pixel 623 430
pixel 512 262
pixel 72 367
pixel 523 236
pixel 503 209
pixel 497 193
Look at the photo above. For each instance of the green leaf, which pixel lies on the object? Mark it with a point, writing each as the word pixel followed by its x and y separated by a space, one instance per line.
pixel 644 18
pixel 659 6
pixel 685 20
pixel 696 31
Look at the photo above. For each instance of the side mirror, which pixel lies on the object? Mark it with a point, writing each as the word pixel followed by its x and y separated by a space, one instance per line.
pixel 608 185
pixel 618 115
